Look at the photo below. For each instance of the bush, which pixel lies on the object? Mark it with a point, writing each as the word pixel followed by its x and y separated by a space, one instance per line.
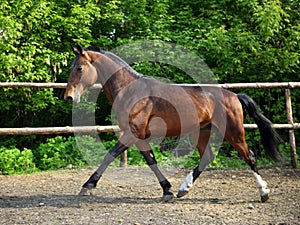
pixel 135 158
pixel 85 150
pixel 14 161
pixel 93 151
pixel 58 152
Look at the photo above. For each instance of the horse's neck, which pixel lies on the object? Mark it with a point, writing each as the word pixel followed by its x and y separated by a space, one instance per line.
pixel 114 78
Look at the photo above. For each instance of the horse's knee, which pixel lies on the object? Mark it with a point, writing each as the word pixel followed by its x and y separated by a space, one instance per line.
pixel 252 157
pixel 252 161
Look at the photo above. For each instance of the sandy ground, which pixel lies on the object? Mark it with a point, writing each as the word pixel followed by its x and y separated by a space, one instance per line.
pixel 133 196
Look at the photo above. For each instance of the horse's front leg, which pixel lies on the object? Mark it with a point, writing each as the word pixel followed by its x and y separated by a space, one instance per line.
pixel 148 154
pixel 109 158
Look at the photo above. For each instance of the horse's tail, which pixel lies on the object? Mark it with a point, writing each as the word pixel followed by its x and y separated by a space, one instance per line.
pixel 269 137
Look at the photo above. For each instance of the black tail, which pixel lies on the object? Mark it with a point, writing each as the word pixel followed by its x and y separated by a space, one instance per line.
pixel 269 137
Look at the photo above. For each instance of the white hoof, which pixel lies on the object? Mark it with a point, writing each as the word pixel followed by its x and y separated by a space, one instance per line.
pixel 182 193
pixel 186 185
pixel 264 198
pixel 264 191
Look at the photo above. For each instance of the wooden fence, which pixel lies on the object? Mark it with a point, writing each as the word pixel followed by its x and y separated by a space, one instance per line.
pixel 87 129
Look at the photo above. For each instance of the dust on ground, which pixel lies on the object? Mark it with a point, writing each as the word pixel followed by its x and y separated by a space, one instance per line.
pixel 133 196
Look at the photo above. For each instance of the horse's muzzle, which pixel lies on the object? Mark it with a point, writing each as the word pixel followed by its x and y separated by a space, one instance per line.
pixel 69 99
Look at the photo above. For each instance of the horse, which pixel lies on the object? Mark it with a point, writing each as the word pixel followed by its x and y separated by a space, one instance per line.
pixel 147 107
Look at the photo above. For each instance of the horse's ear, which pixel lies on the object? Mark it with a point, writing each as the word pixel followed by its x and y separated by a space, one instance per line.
pixel 80 49
pixel 75 50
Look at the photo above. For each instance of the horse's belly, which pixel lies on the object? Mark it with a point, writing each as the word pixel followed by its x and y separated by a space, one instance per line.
pixel 172 126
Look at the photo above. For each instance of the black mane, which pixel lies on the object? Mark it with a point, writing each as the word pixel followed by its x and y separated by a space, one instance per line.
pixel 113 57
pixel 95 49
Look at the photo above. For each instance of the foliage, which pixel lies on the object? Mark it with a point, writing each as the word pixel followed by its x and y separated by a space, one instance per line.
pixel 135 158
pixel 84 150
pixel 240 41
pixel 56 153
pixel 13 161
pixel 93 150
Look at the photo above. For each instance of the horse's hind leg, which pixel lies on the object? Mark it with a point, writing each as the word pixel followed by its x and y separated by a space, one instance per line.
pixel 206 156
pixel 148 154
pixel 123 161
pixel 237 139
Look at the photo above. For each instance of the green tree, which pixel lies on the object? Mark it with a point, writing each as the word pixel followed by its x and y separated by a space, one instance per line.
pixel 241 41
pixel 34 44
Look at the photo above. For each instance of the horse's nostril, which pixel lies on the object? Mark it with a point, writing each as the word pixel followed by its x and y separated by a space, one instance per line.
pixel 69 99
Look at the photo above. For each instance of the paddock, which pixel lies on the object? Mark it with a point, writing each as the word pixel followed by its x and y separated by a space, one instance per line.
pixel 132 196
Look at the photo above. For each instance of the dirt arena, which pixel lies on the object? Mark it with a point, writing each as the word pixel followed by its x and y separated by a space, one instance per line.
pixel 132 196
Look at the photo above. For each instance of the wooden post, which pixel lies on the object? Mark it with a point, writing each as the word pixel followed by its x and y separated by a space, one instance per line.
pixel 291 131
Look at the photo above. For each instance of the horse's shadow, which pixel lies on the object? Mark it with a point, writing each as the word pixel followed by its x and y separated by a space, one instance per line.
pixel 75 201
pixel 68 201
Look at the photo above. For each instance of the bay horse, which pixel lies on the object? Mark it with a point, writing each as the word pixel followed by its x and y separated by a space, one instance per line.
pixel 146 107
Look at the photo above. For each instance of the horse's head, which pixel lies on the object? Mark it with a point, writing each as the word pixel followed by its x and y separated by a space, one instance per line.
pixel 82 75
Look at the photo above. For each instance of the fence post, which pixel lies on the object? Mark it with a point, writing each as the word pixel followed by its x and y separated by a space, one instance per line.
pixel 293 151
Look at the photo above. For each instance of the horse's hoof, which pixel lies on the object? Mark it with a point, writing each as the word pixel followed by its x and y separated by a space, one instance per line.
pixel 181 193
pixel 168 198
pixel 265 198
pixel 85 192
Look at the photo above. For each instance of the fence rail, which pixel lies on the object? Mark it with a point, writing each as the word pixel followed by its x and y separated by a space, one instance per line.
pixel 98 129
pixel 88 129
pixel 58 130
pixel 286 85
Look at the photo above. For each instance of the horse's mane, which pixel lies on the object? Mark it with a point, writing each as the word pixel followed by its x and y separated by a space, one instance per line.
pixel 115 58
